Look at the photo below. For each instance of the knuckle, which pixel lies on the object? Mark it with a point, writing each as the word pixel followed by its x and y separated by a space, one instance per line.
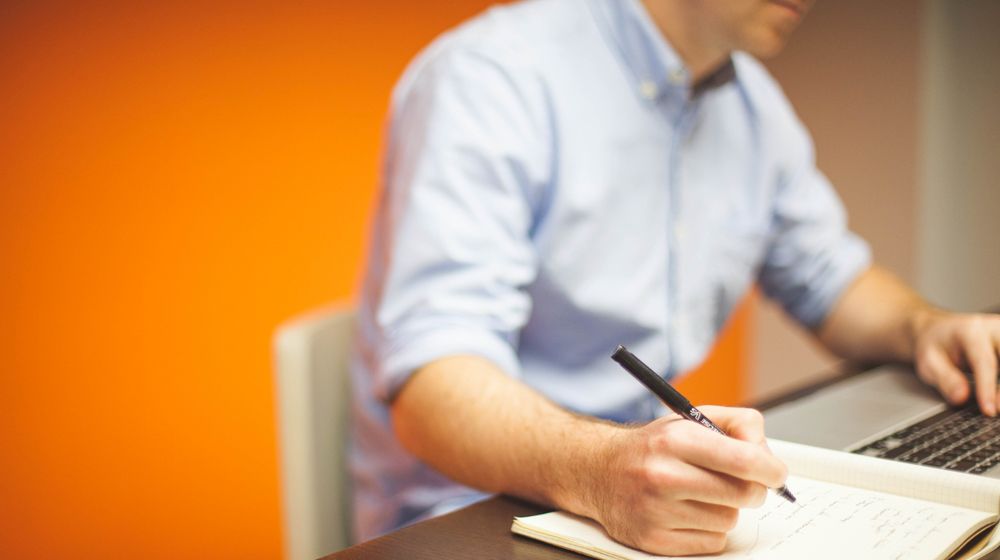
pixel 661 479
pixel 756 422
pixel 682 439
pixel 970 328
pixel 753 415
pixel 660 440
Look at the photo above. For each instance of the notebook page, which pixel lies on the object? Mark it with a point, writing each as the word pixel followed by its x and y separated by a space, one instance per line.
pixel 827 522
pixel 926 483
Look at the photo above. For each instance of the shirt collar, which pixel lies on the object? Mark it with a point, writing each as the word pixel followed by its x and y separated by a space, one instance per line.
pixel 655 66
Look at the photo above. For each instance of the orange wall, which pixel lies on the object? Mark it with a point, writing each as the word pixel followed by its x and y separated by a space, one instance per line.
pixel 177 178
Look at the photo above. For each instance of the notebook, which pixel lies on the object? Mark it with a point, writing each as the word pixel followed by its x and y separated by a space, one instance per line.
pixel 849 506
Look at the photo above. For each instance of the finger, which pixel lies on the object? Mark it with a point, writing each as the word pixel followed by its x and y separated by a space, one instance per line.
pixel 746 424
pixel 682 542
pixel 692 514
pixel 977 345
pixel 682 481
pixel 724 490
pixel 938 370
pixel 740 459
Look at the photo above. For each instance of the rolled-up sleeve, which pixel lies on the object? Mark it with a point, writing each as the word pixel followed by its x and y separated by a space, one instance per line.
pixel 813 257
pixel 467 160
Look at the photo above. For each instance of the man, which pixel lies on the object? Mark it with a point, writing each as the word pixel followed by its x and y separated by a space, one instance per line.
pixel 563 176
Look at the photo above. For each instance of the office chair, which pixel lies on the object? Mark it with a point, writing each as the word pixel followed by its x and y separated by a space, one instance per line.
pixel 313 397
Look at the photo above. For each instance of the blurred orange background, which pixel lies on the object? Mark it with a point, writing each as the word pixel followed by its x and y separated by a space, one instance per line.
pixel 177 178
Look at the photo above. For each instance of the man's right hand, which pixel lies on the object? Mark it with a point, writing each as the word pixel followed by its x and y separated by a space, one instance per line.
pixel 673 487
pixel 668 487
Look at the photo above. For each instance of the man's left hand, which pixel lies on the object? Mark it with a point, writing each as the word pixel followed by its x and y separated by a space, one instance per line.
pixel 947 342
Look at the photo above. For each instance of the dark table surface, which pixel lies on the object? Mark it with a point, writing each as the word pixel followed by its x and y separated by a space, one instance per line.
pixel 480 531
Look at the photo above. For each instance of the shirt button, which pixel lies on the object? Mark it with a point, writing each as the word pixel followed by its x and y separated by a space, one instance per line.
pixel 648 89
pixel 678 76
pixel 680 232
pixel 680 323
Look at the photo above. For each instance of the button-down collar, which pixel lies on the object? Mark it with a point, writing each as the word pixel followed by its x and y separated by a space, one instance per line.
pixel 656 68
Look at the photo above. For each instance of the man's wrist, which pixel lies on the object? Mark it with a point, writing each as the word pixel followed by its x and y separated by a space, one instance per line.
pixel 584 473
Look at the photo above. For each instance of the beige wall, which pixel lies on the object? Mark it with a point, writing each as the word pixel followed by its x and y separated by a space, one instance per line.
pixel 901 98
pixel 852 71
pixel 959 234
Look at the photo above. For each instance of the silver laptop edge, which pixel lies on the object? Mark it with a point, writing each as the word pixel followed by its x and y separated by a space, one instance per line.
pixel 857 411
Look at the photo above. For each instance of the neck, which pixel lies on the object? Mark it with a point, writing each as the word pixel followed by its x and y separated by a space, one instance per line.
pixel 683 27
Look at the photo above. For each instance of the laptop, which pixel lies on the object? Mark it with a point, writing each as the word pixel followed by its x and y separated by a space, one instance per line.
pixel 889 413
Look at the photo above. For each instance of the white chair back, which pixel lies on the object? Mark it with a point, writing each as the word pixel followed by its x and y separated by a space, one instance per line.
pixel 313 400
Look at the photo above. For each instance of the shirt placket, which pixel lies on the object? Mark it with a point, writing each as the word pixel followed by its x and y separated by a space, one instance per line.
pixel 682 119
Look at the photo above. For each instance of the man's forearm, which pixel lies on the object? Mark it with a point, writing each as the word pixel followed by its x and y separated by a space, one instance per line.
pixel 487 430
pixel 877 319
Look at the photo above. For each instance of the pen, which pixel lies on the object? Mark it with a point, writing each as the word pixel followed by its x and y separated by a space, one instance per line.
pixel 672 398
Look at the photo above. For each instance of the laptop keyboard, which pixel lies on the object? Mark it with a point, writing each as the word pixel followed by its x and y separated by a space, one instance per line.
pixel 956 439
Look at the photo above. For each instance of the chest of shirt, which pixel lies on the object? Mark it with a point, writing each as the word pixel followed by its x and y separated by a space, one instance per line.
pixel 637 179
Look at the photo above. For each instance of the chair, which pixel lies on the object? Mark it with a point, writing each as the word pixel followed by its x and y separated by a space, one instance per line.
pixel 313 397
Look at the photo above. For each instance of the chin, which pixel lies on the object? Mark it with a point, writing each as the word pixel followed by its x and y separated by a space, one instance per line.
pixel 765 45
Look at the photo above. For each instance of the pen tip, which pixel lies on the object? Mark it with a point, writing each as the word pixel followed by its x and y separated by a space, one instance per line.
pixel 786 494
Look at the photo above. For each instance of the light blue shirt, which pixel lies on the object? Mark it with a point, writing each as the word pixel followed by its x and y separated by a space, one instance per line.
pixel 552 187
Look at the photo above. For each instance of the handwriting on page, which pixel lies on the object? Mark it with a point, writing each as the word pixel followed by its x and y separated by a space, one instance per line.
pixel 828 518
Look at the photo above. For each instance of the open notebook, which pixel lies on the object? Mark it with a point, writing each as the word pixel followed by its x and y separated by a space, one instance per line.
pixel 849 506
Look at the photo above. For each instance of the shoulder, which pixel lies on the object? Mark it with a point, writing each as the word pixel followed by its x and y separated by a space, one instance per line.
pixel 494 71
pixel 510 39
pixel 766 100
pixel 763 92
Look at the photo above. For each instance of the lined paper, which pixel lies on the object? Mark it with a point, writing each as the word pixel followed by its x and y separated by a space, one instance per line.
pixel 848 506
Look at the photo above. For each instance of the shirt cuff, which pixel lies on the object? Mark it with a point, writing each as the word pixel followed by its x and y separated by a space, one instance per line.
pixel 853 259
pixel 403 359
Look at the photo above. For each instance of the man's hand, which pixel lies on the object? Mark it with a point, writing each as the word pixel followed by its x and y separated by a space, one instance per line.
pixel 948 342
pixel 668 487
pixel 673 487
pixel 879 318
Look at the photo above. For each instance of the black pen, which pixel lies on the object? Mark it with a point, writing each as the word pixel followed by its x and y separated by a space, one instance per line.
pixel 672 398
